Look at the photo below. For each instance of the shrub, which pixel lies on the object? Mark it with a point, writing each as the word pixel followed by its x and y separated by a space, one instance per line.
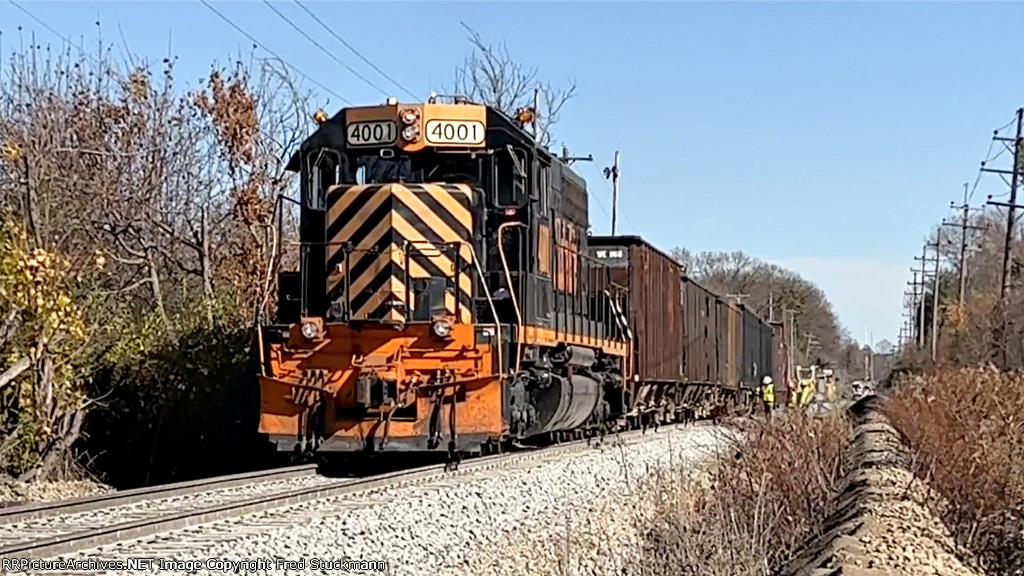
pixel 752 511
pixel 966 429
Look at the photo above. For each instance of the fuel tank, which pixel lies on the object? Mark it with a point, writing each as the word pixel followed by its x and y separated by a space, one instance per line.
pixel 563 403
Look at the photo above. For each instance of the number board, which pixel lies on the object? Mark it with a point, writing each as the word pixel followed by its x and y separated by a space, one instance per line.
pixel 458 132
pixel 372 133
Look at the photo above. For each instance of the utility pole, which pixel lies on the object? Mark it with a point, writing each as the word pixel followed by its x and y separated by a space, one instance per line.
pixel 911 303
pixel 935 300
pixel 792 345
pixel 1011 218
pixel 907 328
pixel 810 341
pixel 914 309
pixel 935 293
pixel 771 307
pixel 1011 222
pixel 867 356
pixel 964 226
pixel 871 352
pixel 536 114
pixel 613 173
pixel 920 302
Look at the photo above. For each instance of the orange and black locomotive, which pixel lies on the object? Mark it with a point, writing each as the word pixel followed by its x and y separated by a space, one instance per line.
pixel 447 296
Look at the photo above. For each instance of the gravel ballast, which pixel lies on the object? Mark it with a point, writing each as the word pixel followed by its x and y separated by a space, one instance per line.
pixel 563 514
pixel 13 492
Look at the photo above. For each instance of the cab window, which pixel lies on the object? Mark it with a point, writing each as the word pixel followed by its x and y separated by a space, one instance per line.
pixel 323 171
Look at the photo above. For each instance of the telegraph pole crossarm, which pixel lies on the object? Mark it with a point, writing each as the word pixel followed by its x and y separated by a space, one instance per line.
pixel 1004 204
pixel 569 159
pixel 738 298
pixel 997 171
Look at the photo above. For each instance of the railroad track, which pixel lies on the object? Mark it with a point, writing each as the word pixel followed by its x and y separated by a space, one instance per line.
pixel 51 528
pixel 68 527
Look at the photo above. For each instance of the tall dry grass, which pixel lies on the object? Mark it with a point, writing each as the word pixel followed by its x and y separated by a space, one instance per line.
pixel 966 429
pixel 749 514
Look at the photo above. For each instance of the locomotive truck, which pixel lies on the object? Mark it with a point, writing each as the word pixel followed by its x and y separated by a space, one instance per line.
pixel 448 296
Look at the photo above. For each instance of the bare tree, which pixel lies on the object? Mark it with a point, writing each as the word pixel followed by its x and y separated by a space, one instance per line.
pixel 490 75
pixel 131 217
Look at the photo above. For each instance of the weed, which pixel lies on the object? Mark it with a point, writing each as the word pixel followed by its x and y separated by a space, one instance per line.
pixel 966 429
pixel 750 513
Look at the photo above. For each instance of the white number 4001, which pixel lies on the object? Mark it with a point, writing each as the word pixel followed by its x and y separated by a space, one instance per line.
pixel 455 132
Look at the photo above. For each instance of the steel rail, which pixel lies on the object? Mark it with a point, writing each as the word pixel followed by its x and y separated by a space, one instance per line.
pixel 101 536
pixel 124 497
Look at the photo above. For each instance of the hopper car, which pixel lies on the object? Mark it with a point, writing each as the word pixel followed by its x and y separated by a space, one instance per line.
pixel 448 297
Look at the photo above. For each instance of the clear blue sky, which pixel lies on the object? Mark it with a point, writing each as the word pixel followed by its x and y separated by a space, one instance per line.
pixel 827 137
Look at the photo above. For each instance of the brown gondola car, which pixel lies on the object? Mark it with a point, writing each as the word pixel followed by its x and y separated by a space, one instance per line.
pixel 654 307
pixel 730 326
pixel 691 350
pixel 701 354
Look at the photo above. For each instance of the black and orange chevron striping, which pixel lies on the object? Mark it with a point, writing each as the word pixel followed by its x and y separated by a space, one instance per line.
pixel 383 237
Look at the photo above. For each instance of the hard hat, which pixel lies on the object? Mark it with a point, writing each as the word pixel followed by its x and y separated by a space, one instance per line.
pixel 766 380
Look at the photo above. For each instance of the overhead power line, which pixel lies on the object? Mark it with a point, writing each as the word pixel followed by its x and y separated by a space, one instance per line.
pixel 274 54
pixel 988 157
pixel 354 51
pixel 325 50
pixel 52 30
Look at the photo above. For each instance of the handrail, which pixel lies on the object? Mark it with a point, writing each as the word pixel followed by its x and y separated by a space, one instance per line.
pixel 511 289
pixel 490 301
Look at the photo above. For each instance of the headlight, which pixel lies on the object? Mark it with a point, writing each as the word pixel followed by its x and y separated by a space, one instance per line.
pixel 442 328
pixel 309 330
pixel 411 133
pixel 410 116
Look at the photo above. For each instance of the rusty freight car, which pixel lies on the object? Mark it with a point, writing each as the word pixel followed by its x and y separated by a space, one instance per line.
pixel 687 345
pixel 701 352
pixel 652 279
pixel 757 355
pixel 654 306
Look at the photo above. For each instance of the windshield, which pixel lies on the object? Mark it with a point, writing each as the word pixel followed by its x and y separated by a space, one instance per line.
pixel 419 168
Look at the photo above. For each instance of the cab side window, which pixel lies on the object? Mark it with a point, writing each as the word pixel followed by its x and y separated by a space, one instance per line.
pixel 322 168
pixel 510 176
